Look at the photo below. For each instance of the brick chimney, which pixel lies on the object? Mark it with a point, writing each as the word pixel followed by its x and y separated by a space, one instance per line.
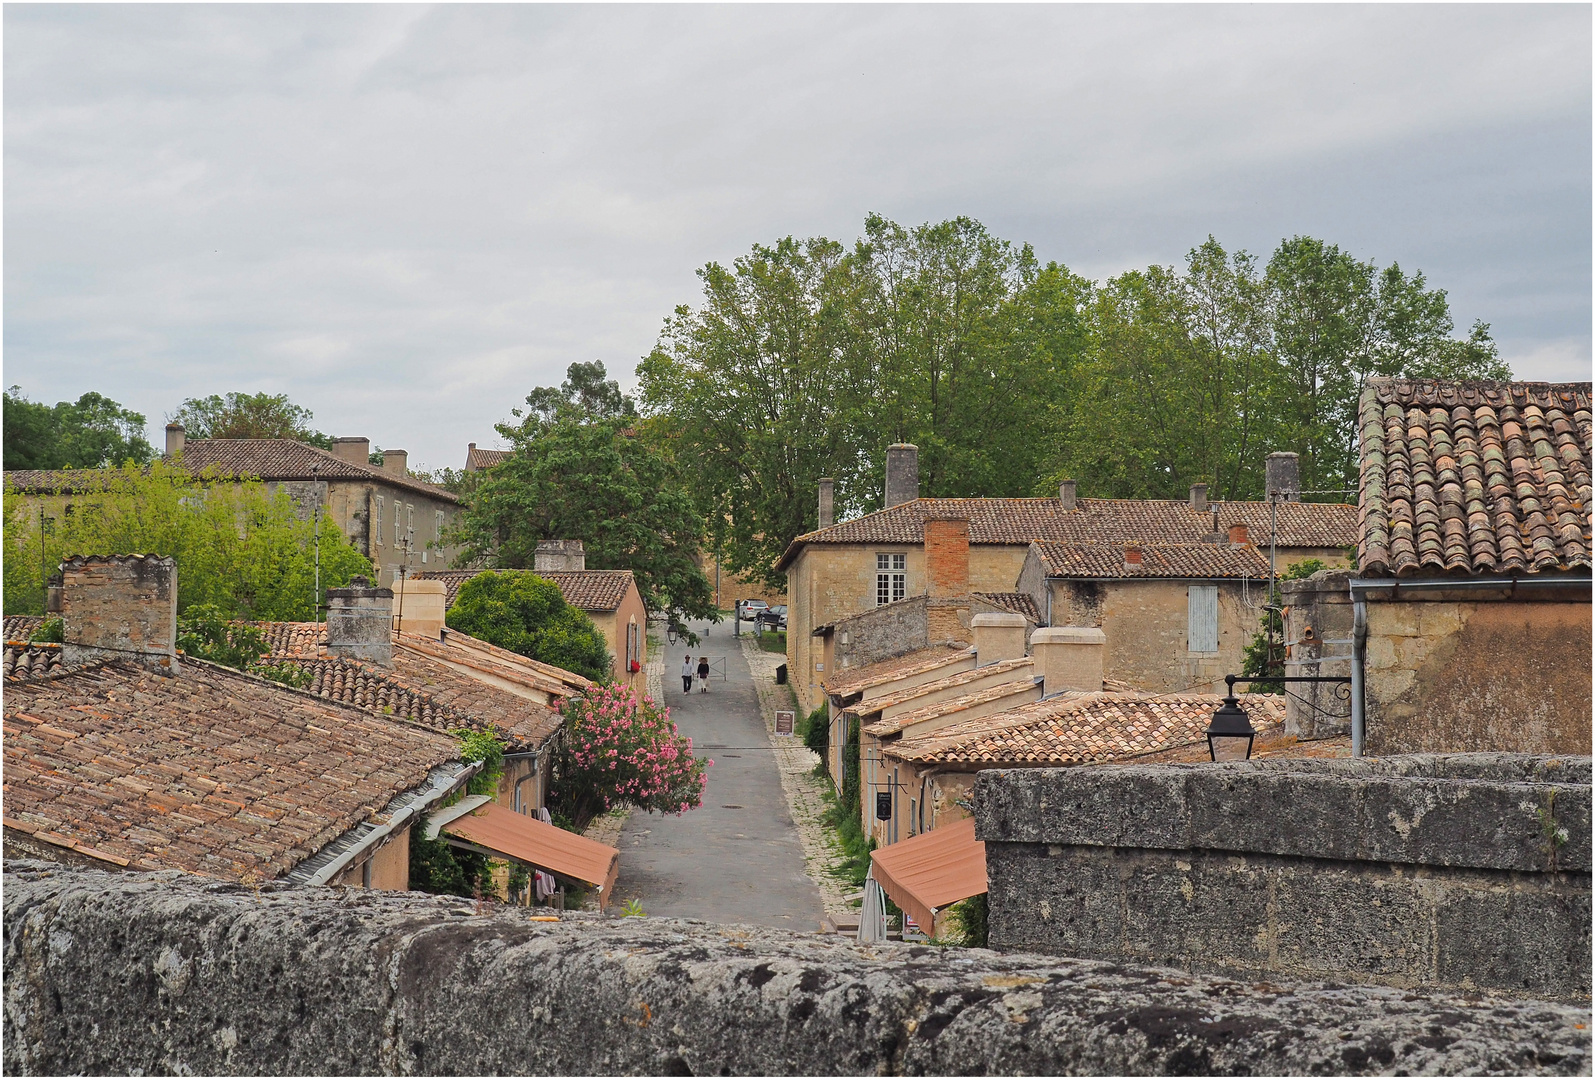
pixel 1069 657
pixel 902 474
pixel 396 462
pixel 559 555
pixel 827 516
pixel 1066 495
pixel 999 635
pixel 120 607
pixel 1132 557
pixel 174 440
pixel 360 622
pixel 1282 476
pixel 1199 498
pixel 354 450
pixel 946 557
pixel 1237 535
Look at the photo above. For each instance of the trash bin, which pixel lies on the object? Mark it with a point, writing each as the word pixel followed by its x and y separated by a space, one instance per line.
pixel 780 674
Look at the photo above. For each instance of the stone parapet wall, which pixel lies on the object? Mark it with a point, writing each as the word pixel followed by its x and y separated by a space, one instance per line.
pixel 143 973
pixel 1461 871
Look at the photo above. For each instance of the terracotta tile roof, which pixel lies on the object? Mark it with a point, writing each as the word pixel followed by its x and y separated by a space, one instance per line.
pixel 590 590
pixel 1020 690
pixel 1157 561
pixel 1081 729
pixel 285 459
pixel 1146 521
pixel 1020 667
pixel 857 680
pixel 22 627
pixel 58 481
pixel 28 661
pixel 476 458
pixel 1473 477
pixel 1017 602
pixel 501 663
pixel 208 771
pixel 293 638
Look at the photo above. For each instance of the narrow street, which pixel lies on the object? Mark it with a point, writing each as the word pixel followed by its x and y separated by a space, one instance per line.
pixel 738 858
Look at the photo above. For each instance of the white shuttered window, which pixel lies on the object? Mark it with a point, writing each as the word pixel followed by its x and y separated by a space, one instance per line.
pixel 1202 616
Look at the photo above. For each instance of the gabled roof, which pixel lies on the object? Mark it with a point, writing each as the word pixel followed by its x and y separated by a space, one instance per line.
pixel 1080 729
pixel 1018 688
pixel 1114 521
pixel 476 458
pixel 1473 477
pixel 918 662
pixel 1157 561
pixel 286 459
pixel 1017 602
pixel 1022 666
pixel 590 590
pixel 208 770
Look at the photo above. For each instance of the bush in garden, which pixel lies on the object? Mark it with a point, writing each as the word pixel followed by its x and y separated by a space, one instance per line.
pixel 524 613
pixel 622 751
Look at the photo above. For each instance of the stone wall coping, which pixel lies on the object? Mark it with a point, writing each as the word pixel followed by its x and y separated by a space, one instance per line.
pixel 998 618
pixel 118 974
pixel 1486 811
pixel 1068 635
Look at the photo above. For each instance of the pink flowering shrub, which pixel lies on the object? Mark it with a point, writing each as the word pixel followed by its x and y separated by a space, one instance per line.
pixel 619 751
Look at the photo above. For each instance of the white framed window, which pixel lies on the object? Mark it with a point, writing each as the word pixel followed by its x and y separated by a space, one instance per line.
pixel 398 525
pixel 1202 618
pixel 437 524
pixel 891 577
pixel 378 530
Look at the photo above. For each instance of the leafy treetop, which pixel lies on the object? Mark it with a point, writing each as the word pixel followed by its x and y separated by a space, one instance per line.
pixel 248 416
pixel 528 614
pixel 91 432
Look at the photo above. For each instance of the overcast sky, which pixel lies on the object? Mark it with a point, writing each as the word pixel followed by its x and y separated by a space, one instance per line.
pixel 407 217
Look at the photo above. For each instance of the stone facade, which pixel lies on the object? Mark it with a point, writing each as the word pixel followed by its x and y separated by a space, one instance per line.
pixel 360 622
pixel 1467 872
pixel 1318 628
pixel 120 607
pixel 158 973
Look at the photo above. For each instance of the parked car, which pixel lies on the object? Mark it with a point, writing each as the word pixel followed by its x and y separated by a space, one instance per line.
pixel 779 610
pixel 750 608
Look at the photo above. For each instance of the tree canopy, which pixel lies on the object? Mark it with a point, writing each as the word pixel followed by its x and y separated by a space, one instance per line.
pixel 806 359
pixel 91 432
pixel 248 416
pixel 578 471
pixel 528 614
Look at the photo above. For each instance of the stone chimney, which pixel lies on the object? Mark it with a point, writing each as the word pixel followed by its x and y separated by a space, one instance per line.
pixel 1132 557
pixel 470 457
pixel 999 635
pixel 120 607
pixel 1282 475
pixel 902 474
pixel 360 622
pixel 418 607
pixel 1199 498
pixel 1066 495
pixel 396 462
pixel 356 451
pixel 827 503
pixel 174 440
pixel 1237 535
pixel 559 555
pixel 1069 657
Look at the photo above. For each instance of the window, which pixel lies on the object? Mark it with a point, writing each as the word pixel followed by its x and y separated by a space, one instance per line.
pixel 1202 618
pixel 890 577
pixel 398 526
pixel 379 520
pixel 437 524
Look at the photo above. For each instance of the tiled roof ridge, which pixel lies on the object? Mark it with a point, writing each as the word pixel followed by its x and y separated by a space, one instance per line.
pixel 946 682
pixel 1472 392
pixel 937 654
pixel 515 659
pixel 373 472
pixel 958 703
pixel 501 671
pixel 124 558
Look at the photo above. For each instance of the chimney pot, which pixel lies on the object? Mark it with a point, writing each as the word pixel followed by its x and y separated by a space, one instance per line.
pixel 827 503
pixel 902 474
pixel 396 462
pixel 1069 657
pixel 1066 495
pixel 355 450
pixel 557 556
pixel 1199 498
pixel 174 440
pixel 360 622
pixel 1282 476
pixel 1237 534
pixel 120 607
pixel 999 635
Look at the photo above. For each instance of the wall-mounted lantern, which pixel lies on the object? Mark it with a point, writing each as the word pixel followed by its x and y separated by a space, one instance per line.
pixel 1230 735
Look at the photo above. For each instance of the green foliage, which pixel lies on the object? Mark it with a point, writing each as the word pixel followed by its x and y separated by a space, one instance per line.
pixel 579 471
pixel 632 909
pixel 436 866
pixel 772 641
pixel 205 632
pixel 968 923
pixel 50 630
pixel 1265 655
pixel 484 747
pixel 91 432
pixel 285 671
pixel 248 416
pixel 842 814
pixel 238 547
pixel 817 736
pixel 527 614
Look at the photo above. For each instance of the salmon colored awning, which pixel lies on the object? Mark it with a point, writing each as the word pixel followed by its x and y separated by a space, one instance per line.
pixel 528 840
pixel 925 873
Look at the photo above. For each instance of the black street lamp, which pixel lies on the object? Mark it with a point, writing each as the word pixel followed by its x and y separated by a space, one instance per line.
pixel 1230 735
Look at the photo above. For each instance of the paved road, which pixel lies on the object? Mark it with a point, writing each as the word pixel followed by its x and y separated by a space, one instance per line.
pixel 737 858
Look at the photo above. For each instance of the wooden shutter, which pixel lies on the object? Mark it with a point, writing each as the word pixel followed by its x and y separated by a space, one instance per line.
pixel 1202 623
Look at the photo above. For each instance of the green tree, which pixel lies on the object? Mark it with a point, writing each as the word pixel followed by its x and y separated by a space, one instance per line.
pixel 528 614
pixel 91 432
pixel 580 475
pixel 237 545
pixel 248 416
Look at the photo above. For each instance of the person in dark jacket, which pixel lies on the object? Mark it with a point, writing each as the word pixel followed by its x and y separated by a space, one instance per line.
pixel 703 674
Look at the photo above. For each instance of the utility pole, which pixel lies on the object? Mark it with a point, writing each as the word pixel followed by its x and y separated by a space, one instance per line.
pixel 315 524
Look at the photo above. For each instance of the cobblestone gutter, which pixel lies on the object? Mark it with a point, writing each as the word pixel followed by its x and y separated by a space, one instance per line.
pixel 162 973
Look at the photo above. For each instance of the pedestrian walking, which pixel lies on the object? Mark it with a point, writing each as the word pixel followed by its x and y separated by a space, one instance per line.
pixel 686 674
pixel 703 674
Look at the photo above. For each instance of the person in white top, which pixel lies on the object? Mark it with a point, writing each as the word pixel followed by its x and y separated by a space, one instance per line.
pixel 686 675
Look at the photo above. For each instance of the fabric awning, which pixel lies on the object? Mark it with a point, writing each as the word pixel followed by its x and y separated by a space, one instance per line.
pixel 528 840
pixel 925 873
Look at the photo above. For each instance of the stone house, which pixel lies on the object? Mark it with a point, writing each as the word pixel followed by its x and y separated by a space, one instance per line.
pixel 841 570
pixel 1467 623
pixel 478 460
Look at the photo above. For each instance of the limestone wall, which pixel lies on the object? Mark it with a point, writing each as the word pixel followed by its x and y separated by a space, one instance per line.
pixel 1462 871
pixel 161 973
